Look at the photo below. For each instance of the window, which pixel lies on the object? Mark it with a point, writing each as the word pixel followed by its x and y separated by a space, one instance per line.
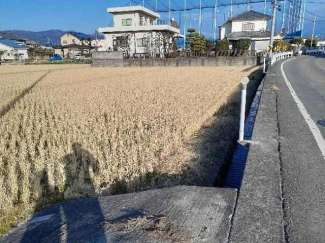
pixel 141 20
pixel 126 22
pixel 65 42
pixel 73 41
pixel 142 42
pixel 151 21
pixel 248 26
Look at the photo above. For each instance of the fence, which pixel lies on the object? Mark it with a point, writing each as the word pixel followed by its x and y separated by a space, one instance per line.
pixel 315 52
pixel 280 56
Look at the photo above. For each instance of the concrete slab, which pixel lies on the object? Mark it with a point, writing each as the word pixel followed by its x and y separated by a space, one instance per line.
pixel 178 214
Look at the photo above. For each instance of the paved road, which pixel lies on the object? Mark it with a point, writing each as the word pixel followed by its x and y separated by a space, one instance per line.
pixel 302 161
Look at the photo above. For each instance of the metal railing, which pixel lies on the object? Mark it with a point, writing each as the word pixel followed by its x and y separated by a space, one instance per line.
pixel 315 52
pixel 280 56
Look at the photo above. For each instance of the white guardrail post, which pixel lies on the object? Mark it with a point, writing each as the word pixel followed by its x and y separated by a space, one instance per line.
pixel 244 81
pixel 264 65
pixel 280 56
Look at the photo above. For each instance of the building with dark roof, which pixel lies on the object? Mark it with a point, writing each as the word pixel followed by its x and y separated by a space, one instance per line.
pixel 71 38
pixel 13 50
pixel 249 25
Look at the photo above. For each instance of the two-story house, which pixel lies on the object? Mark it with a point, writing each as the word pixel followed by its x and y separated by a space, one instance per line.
pixel 73 43
pixel 138 31
pixel 249 25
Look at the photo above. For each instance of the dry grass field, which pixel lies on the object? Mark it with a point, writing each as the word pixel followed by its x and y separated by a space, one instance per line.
pixel 85 131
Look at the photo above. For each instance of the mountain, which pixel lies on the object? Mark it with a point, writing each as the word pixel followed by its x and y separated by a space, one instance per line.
pixel 40 37
pixel 46 37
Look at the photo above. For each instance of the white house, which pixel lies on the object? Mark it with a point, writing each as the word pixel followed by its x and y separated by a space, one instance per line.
pixel 13 50
pixel 137 31
pixel 249 25
pixel 321 43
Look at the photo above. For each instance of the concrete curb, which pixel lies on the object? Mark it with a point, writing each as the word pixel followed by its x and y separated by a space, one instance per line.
pixel 258 215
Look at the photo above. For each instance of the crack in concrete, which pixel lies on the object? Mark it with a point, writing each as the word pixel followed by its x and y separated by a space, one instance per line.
pixel 283 202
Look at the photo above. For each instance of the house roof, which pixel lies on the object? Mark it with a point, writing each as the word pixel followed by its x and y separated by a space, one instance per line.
pixel 79 35
pixel 75 46
pixel 5 35
pixel 12 44
pixel 250 15
pixel 248 34
pixel 133 9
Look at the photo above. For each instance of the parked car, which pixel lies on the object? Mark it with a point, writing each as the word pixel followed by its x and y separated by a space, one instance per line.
pixel 55 57
pixel 78 57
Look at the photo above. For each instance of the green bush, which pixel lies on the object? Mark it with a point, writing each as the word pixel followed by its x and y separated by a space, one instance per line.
pixel 281 46
pixel 222 45
pixel 308 42
pixel 243 44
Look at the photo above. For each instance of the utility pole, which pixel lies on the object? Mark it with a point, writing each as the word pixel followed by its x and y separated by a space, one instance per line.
pixel 185 6
pixel 275 4
pixel 200 18
pixel 170 14
pixel 283 15
pixel 143 3
pixel 312 37
pixel 265 6
pixel 231 9
pixel 215 20
pixel 303 19
pixel 156 6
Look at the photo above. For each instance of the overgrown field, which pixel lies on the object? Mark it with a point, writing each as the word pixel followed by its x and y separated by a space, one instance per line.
pixel 86 131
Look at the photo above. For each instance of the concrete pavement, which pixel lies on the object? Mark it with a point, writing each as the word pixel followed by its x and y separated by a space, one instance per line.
pixel 302 163
pixel 282 197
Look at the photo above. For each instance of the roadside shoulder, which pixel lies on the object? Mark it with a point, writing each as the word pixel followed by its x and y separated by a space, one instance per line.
pixel 259 216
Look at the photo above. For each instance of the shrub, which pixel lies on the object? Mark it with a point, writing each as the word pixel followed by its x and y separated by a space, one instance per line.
pixel 222 45
pixel 281 46
pixel 243 44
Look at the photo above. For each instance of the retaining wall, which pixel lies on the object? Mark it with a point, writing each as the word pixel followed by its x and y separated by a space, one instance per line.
pixel 116 60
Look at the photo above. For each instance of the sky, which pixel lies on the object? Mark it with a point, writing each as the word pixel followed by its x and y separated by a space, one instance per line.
pixel 88 15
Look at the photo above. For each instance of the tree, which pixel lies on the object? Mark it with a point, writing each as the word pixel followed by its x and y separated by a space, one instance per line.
pixel 208 45
pixel 308 42
pixel 281 46
pixel 297 41
pixel 243 44
pixel 195 42
pixel 222 45
pixel 2 53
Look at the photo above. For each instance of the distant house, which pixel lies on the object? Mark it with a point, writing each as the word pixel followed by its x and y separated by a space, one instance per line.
pixel 77 38
pixel 249 25
pixel 13 50
pixel 138 31
pixel 321 43
pixel 73 43
pixel 10 36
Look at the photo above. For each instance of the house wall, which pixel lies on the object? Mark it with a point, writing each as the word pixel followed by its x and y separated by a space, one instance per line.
pixel 10 53
pixel 158 43
pixel 260 45
pixel 237 26
pixel 135 16
pixel 68 39
pixel 321 43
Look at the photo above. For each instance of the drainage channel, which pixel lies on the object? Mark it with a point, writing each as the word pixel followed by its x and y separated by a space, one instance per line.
pixel 238 163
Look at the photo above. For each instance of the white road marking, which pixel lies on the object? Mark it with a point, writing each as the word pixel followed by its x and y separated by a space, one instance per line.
pixel 310 122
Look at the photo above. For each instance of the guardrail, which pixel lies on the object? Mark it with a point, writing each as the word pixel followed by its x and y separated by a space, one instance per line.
pixel 315 52
pixel 280 56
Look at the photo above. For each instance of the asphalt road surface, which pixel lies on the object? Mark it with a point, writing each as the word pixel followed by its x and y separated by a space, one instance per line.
pixel 301 114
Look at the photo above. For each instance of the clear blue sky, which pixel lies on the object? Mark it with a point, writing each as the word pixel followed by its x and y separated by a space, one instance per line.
pixel 87 15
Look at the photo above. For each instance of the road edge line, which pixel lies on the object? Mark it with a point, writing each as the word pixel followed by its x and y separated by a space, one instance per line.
pixel 310 122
